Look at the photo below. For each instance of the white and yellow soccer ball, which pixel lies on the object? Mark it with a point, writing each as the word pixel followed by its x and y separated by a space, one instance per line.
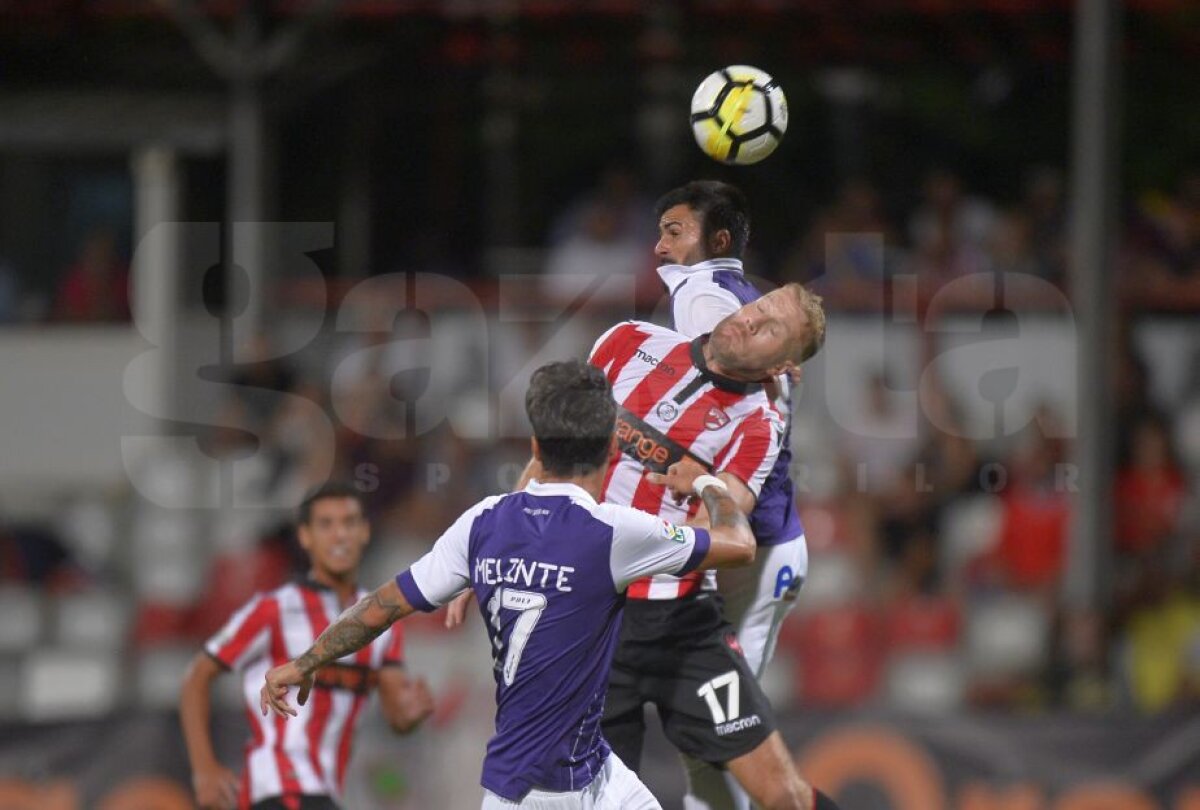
pixel 739 115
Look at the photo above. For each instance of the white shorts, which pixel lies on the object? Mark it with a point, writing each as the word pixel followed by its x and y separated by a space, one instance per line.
pixel 759 596
pixel 614 788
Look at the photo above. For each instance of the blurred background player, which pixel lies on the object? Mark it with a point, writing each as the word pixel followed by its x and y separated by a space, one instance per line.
pixel 703 228
pixel 549 567
pixel 300 766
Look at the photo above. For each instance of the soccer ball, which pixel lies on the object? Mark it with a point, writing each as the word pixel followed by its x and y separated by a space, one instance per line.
pixel 739 115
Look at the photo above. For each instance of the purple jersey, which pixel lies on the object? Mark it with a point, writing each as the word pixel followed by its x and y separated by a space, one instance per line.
pixel 702 294
pixel 549 567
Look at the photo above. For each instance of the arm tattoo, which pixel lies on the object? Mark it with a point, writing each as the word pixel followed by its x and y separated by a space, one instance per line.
pixel 723 511
pixel 356 628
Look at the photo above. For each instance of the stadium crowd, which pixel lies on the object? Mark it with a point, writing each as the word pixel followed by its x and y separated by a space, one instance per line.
pixel 935 580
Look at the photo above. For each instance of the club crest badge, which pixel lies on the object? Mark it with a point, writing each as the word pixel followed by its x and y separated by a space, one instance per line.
pixel 715 419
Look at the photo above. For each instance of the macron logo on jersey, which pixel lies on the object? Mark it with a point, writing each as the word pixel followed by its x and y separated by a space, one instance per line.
pixel 651 360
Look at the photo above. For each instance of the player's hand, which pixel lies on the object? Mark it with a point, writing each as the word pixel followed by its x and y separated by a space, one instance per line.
pixel 274 693
pixel 420 701
pixel 679 478
pixel 216 787
pixel 456 611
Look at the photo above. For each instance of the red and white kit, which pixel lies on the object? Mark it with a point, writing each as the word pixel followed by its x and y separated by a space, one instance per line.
pixel 672 405
pixel 308 754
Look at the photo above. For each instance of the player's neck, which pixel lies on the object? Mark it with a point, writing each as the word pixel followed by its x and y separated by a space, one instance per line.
pixel 346 587
pixel 715 367
pixel 592 484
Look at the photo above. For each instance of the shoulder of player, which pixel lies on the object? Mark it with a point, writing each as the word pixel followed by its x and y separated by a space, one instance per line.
pixel 639 332
pixel 268 600
pixel 484 505
pixel 619 516
pixel 755 409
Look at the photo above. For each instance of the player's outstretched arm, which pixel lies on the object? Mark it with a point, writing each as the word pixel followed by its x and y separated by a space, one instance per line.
pixel 355 629
pixel 215 785
pixel 731 543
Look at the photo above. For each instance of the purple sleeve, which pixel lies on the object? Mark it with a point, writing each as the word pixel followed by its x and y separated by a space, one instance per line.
pixel 408 587
pixel 699 551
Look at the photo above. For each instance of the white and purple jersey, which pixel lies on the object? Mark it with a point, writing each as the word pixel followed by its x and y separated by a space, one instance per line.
pixel 549 567
pixel 702 295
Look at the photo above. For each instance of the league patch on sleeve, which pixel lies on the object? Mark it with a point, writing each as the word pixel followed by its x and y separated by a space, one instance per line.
pixel 673 533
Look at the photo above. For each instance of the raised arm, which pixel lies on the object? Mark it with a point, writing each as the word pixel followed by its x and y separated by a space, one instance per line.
pixel 356 628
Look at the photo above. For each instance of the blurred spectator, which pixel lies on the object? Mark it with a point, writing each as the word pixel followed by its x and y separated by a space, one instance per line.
pixel 951 230
pixel 1079 676
pixel 598 257
pixel 618 192
pixel 1168 229
pixel 1162 636
pixel 1187 421
pixel 34 554
pixel 1009 248
pixel 10 292
pixel 1046 218
pixel 1150 491
pixel 1131 381
pixel 949 461
pixel 1032 545
pixel 96 286
pixel 1164 243
pixel 908 532
pixel 885 441
pixel 260 379
pixel 845 251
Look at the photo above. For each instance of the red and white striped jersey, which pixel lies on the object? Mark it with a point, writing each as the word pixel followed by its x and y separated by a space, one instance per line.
pixel 670 405
pixel 308 754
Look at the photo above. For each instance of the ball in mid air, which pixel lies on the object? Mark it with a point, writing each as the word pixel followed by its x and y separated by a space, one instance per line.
pixel 739 115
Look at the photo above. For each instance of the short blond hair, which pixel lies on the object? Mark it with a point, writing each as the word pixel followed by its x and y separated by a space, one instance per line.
pixel 811 305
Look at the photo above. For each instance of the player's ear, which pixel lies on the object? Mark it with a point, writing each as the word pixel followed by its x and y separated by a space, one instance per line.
pixel 535 450
pixel 303 536
pixel 614 449
pixel 786 367
pixel 719 243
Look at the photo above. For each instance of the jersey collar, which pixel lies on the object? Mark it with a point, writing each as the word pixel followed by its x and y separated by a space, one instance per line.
pixel 305 581
pixel 535 487
pixel 673 275
pixel 718 380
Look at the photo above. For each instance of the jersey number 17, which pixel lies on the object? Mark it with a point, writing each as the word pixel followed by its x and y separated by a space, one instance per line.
pixel 530 606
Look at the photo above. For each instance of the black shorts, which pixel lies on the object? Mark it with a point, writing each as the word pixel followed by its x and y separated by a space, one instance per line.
pixel 682 656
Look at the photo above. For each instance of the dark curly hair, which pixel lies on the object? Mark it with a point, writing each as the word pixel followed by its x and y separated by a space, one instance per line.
pixel 718 206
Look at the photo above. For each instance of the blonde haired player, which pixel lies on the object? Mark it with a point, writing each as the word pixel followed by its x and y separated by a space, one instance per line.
pixel 703 230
